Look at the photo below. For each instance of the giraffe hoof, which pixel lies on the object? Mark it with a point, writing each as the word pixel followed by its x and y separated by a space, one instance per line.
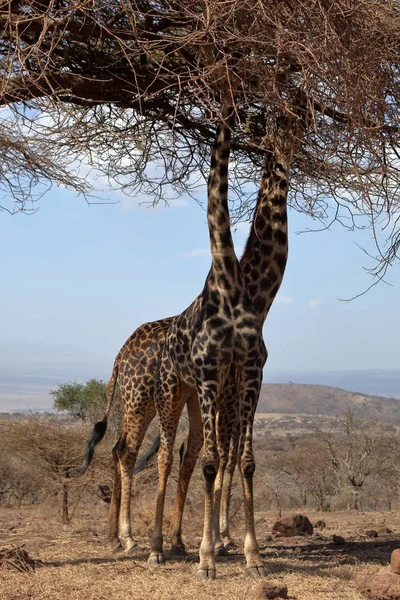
pixel 205 574
pixel 156 560
pixel 117 547
pixel 256 572
pixel 221 551
pixel 178 551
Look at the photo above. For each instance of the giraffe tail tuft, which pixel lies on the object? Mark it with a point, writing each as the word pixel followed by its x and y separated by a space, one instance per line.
pixel 100 427
pixel 99 431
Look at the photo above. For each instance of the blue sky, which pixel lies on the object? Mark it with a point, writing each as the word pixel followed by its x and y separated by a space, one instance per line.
pixel 87 276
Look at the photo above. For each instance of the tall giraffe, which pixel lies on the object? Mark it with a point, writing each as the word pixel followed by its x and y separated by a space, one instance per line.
pixel 135 364
pixel 220 329
pixel 263 263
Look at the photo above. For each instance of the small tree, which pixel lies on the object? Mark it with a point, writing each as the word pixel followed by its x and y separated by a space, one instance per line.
pixel 52 450
pixel 79 398
pixel 87 401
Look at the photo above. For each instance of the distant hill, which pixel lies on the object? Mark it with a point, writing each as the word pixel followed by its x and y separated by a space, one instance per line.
pixel 305 399
pixel 375 382
pixel 29 369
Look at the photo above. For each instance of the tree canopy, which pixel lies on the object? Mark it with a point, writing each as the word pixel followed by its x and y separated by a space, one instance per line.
pixel 123 85
pixel 79 398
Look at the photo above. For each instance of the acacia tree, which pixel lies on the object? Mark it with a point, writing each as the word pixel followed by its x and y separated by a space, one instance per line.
pixel 120 85
pixel 88 401
pixel 50 449
pixel 79 399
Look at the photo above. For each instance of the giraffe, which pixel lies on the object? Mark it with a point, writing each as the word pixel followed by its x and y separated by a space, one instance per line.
pixel 135 364
pixel 263 263
pixel 219 329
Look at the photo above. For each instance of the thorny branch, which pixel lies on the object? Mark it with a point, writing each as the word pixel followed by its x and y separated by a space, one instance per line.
pixel 121 86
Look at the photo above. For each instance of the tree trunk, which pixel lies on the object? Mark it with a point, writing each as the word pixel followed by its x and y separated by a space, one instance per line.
pixel 65 514
pixel 356 498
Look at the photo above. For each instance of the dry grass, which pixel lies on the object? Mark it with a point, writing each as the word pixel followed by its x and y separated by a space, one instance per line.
pixel 75 561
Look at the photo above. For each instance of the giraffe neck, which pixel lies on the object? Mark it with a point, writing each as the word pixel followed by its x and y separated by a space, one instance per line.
pixel 265 256
pixel 224 261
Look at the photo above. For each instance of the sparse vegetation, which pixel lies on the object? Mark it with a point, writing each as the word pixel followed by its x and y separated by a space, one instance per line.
pixel 294 468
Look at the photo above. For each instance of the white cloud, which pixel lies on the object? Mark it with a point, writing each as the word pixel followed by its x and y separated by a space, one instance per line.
pixel 313 303
pixel 199 252
pixel 284 300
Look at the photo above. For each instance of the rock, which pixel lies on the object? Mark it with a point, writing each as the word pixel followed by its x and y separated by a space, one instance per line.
pixel 371 533
pixel 379 587
pixel 293 525
pixel 338 540
pixel 263 590
pixel 395 561
pixel 320 525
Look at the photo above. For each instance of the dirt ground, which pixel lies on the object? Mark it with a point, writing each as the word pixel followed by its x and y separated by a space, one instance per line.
pixel 75 562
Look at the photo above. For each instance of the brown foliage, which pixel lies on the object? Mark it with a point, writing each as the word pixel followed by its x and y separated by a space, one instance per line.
pixel 38 458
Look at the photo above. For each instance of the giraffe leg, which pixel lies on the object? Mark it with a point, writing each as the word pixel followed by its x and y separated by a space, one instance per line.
pixel 170 401
pixel 113 515
pixel 223 436
pixel 210 465
pixel 220 549
pixel 254 564
pixel 165 458
pixel 138 425
pixel 227 491
pixel 188 462
pixel 225 507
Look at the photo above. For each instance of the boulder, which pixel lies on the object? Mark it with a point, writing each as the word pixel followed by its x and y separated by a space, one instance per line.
pixel 293 525
pixel 379 587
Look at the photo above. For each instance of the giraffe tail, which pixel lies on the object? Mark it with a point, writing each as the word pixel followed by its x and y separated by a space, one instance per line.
pixel 100 427
pixel 142 463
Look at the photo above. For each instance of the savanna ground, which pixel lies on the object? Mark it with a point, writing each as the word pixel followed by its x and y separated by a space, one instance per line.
pixel 75 560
